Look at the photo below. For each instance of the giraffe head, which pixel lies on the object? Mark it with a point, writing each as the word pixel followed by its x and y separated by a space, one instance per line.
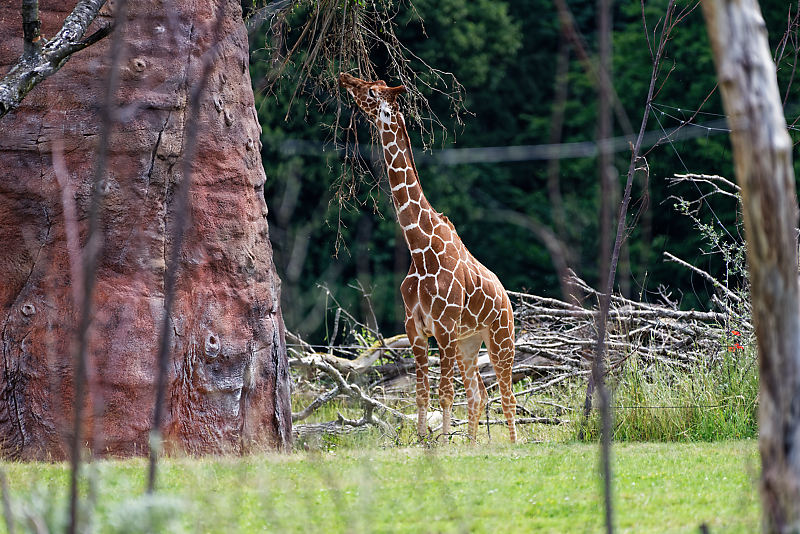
pixel 376 99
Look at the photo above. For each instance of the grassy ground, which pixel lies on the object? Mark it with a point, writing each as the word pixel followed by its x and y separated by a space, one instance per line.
pixel 659 487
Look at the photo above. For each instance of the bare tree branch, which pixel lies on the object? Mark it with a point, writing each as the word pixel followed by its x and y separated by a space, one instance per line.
pixel 319 401
pixel 351 390
pixel 31 26
pixel 90 255
pixel 41 61
pixel 728 293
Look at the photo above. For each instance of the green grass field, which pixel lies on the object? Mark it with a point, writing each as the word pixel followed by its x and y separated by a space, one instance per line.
pixel 553 487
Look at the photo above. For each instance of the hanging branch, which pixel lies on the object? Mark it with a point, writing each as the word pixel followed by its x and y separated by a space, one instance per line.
pixel 40 61
pixel 340 36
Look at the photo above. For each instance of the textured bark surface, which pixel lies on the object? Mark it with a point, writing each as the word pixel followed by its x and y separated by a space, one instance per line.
pixel 228 374
pixel 762 151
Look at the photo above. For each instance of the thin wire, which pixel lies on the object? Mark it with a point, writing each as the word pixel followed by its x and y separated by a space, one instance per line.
pixel 708 113
pixel 684 122
pixel 676 407
pixel 694 112
pixel 671 144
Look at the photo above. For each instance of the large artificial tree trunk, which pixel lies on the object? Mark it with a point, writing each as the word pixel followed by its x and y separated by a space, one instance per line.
pixel 228 373
pixel 762 151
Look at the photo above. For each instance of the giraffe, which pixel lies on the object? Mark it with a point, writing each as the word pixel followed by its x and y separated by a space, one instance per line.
pixel 448 294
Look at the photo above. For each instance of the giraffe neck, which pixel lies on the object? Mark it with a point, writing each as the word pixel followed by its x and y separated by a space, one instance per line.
pixel 414 213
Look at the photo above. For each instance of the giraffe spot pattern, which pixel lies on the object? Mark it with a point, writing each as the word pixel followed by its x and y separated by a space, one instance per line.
pixel 448 294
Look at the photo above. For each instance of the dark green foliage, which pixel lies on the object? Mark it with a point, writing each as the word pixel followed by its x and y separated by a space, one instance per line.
pixel 504 53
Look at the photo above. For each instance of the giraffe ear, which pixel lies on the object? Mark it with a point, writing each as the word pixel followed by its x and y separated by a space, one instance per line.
pixel 399 90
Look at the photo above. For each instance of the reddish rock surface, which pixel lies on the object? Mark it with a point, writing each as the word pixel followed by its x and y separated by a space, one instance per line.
pixel 228 387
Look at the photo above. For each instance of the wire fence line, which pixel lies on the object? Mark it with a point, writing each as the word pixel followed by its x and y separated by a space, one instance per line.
pixel 516 153
pixel 686 130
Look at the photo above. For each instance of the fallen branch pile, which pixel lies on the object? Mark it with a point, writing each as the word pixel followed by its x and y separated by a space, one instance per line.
pixel 554 344
pixel 558 333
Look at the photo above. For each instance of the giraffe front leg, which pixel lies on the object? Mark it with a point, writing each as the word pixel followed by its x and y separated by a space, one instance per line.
pixel 501 352
pixel 419 346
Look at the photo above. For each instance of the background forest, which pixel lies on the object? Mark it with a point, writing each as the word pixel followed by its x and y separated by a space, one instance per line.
pixel 507 56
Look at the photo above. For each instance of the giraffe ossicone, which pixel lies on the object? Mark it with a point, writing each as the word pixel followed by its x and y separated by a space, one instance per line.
pixel 447 294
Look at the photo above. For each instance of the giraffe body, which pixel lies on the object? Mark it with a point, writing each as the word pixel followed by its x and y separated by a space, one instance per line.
pixel 447 294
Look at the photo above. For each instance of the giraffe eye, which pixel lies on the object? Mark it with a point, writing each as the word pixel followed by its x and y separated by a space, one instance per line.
pixel 371 92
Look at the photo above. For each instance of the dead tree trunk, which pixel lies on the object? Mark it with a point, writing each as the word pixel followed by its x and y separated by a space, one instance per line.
pixel 763 160
pixel 228 374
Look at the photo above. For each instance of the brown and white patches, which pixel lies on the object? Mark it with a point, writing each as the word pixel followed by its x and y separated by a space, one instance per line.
pixel 447 294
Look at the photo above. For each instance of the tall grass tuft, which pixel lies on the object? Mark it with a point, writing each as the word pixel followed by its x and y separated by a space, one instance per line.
pixel 710 401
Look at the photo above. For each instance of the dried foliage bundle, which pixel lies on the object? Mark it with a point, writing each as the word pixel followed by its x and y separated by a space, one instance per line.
pixel 311 41
pixel 660 334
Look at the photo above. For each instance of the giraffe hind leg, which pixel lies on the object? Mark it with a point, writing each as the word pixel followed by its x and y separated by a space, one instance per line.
pixel 501 353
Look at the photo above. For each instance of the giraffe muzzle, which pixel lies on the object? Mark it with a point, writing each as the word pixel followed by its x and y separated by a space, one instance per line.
pixel 346 80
